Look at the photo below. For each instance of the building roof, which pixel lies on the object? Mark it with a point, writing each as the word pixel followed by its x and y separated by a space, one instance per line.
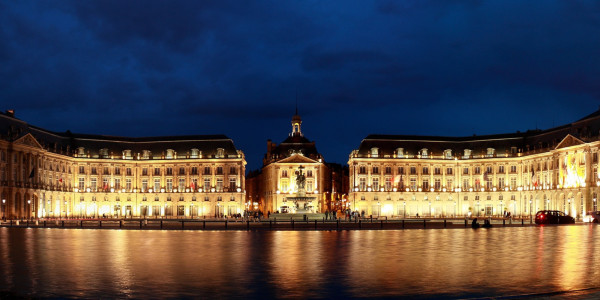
pixel 586 129
pixel 67 143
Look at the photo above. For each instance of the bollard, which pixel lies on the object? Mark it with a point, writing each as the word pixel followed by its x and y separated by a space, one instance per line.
pixel 315 224
pixel 465 223
pixel 381 223
pixel 81 223
pixel 100 223
pixel 270 224
pixel 444 223
pixel 27 222
pixel 63 224
pixel 503 222
pixel 522 222
pixel 402 223
pixel 203 224
pixel 248 224
pixel 323 220
pixel 225 224
pixel 182 224
pixel 161 224
pixel 424 224
pixel 44 223
pixel 120 223
pixel 292 223
pixel 140 224
pixel 338 224
pixel 359 224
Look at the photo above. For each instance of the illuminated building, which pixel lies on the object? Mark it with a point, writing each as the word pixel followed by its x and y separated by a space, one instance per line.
pixel 50 174
pixel 277 187
pixel 491 175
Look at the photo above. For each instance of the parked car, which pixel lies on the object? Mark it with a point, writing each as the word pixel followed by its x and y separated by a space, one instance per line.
pixel 553 217
pixel 592 217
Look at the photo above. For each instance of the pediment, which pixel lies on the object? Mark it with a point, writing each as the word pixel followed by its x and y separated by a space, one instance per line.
pixel 297 158
pixel 28 140
pixel 569 141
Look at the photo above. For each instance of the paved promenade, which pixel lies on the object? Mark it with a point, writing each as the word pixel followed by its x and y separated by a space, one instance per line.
pixel 273 223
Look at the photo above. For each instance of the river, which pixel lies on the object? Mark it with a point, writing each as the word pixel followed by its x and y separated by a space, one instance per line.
pixel 432 263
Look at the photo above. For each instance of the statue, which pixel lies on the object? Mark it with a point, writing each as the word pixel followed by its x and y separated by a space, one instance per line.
pixel 300 179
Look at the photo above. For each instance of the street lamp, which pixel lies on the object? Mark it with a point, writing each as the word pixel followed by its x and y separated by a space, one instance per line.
pixel 404 203
pixel 29 207
pixel 3 203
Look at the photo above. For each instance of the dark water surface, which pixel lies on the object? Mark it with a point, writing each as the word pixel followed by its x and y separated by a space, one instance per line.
pixel 452 263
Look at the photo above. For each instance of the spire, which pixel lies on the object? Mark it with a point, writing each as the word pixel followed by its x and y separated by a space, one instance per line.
pixel 296 120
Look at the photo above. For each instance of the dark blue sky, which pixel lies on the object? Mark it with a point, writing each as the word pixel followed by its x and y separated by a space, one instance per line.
pixel 148 68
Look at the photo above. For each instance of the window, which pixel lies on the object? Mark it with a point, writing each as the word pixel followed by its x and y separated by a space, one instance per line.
pixel 181 185
pixel 388 170
pixel 491 152
pixel 467 153
pixel 128 184
pixel 156 171
pixel 362 184
pixel 219 184
pixel 413 184
pixel 437 171
pixel 413 170
pixel 81 185
pixel 144 185
pixel 284 186
pixel 219 170
pixel 362 170
pixel 169 184
pixel 501 169
pixel 232 170
pixel 81 170
pixel 145 172
pixel 117 183
pixel 374 152
pixel 438 184
pixel 309 186
pixel 181 171
pixel 489 170
pixel 466 185
pixel 309 173
pixel 220 153
pixel 425 184
pixel 117 171
pixel 207 171
pixel 513 169
pixel 466 171
pixel 106 172
pixel 424 153
pixel 477 170
pixel 513 183
pixel 94 171
pixel 449 184
pixel 169 171
pixel 388 184
pixel 400 170
pixel 206 184
pixel 156 185
pixel 128 172
pixel 206 199
pixel 448 154
pixel 400 152
pixel 232 184
pixel 376 184
pixel 449 171
pixel 501 183
pixel 194 170
pixel 94 184
pixel 425 170
pixel 375 170
pixel 195 153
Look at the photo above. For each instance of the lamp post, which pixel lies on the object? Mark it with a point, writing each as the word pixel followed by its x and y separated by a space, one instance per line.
pixel 3 209
pixel 404 203
pixel 478 208
pixel 29 208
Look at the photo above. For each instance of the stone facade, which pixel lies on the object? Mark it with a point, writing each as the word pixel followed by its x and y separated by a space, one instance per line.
pixel 48 174
pixel 520 173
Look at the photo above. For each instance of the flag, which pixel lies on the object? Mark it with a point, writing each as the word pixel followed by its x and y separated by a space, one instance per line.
pixel 192 186
pixel 533 179
pixel 60 180
pixel 32 173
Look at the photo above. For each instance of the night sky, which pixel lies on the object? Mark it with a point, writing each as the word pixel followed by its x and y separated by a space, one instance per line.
pixel 153 68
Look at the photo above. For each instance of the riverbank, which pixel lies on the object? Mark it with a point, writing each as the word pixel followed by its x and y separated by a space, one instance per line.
pixel 264 224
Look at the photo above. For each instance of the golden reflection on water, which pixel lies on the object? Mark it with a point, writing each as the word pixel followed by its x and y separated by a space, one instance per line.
pixel 298 264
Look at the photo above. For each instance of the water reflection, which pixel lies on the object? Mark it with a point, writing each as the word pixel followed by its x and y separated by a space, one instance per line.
pixel 297 264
